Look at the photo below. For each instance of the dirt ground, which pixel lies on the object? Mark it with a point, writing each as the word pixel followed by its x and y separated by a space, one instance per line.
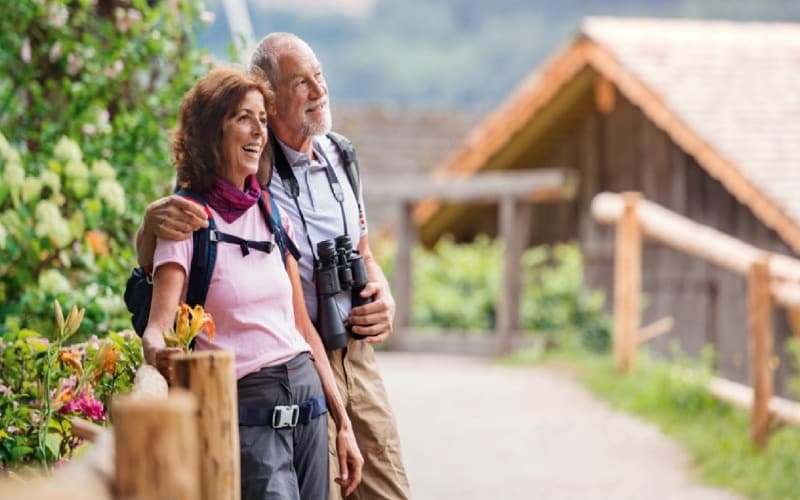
pixel 472 429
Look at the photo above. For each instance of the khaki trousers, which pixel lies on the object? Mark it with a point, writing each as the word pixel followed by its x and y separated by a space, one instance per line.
pixel 374 426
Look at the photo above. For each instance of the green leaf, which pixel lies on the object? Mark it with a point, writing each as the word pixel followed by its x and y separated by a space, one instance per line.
pixel 18 452
pixel 52 442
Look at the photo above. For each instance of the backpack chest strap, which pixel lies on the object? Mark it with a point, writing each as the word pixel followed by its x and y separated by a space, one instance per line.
pixel 245 245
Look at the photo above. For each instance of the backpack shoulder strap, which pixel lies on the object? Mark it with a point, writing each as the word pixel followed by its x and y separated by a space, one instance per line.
pixel 204 255
pixel 272 215
pixel 350 163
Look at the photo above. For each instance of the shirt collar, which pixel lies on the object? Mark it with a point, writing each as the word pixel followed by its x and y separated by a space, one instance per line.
pixel 297 158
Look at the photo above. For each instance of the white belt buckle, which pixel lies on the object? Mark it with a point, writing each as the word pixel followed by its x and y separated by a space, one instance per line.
pixel 285 416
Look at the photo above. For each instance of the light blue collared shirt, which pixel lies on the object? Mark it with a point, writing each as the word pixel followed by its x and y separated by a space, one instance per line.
pixel 321 211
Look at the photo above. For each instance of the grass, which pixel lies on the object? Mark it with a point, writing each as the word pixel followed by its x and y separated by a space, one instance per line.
pixel 672 396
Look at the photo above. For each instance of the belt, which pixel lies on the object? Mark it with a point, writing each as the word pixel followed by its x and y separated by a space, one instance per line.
pixel 281 416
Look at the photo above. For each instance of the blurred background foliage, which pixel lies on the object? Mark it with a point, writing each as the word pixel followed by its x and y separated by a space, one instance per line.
pixel 89 91
pixel 457 286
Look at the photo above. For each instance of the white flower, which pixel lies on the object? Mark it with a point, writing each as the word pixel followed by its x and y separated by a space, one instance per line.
pixel 104 118
pixel 53 281
pixel 103 170
pixel 31 188
pixel 50 223
pixel 57 14
pixel 55 51
pixel 74 63
pixel 51 180
pixel 88 129
pixel 76 169
pixel 25 51
pixel 155 35
pixel 112 194
pixel 114 70
pixel 14 174
pixel 126 18
pixel 67 150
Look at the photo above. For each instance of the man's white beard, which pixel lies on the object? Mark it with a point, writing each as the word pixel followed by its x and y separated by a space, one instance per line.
pixel 311 128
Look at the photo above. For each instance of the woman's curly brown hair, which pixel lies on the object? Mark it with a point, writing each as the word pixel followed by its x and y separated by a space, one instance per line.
pixel 197 140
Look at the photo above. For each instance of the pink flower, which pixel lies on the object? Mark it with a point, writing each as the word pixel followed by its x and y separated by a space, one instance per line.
pixel 85 404
pixel 207 17
pixel 93 409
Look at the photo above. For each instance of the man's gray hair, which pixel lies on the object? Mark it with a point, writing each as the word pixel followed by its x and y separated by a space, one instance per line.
pixel 265 57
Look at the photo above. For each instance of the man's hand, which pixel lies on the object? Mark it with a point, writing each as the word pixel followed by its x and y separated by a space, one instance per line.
pixel 174 218
pixel 350 460
pixel 374 320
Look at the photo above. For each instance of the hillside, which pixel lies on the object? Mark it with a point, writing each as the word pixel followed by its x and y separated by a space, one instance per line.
pixel 445 53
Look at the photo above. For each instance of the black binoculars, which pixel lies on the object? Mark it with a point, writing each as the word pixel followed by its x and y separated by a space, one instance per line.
pixel 339 268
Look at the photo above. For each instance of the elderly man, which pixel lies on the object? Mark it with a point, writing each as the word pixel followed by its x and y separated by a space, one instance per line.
pixel 312 186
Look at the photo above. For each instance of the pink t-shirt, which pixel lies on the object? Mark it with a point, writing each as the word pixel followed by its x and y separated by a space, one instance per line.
pixel 250 297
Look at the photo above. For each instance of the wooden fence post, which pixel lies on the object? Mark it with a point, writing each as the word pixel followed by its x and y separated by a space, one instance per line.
pixel 760 330
pixel 627 284
pixel 211 377
pixel 403 279
pixel 155 447
pixel 514 228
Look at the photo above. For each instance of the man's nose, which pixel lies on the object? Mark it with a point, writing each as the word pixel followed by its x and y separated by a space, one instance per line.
pixel 318 89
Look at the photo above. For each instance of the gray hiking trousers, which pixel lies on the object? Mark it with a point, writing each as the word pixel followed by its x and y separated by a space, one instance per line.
pixel 290 463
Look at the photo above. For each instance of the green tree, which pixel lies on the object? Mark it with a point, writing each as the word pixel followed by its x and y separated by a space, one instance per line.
pixel 89 90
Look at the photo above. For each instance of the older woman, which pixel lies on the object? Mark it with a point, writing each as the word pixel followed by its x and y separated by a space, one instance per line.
pixel 221 154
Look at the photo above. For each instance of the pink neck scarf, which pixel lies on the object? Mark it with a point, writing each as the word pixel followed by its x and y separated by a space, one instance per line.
pixel 230 201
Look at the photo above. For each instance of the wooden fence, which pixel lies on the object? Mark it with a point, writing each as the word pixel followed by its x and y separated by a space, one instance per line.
pixel 514 192
pixel 771 279
pixel 180 444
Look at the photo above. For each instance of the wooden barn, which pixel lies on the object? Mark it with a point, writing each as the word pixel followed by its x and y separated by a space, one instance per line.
pixel 701 117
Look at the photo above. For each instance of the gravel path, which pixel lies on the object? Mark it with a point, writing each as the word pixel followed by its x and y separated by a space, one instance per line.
pixel 472 429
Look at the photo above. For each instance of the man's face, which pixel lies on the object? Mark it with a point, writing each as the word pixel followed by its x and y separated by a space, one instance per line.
pixel 301 96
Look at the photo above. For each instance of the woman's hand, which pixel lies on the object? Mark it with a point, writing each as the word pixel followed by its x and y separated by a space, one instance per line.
pixel 350 459
pixel 158 354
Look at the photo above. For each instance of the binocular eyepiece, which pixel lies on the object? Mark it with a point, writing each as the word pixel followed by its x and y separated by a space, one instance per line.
pixel 339 268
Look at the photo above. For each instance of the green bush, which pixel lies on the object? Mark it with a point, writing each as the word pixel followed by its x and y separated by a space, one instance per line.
pixel 457 286
pixel 89 91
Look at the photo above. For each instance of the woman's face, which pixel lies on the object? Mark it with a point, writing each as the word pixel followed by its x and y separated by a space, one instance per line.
pixel 244 136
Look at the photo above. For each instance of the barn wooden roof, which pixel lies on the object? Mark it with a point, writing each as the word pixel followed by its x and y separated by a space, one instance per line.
pixel 394 142
pixel 727 93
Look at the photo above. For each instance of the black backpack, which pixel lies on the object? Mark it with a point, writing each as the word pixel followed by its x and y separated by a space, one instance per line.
pixel 139 288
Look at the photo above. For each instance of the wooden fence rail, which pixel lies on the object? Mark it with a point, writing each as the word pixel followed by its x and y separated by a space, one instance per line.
pixel 162 444
pixel 771 279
